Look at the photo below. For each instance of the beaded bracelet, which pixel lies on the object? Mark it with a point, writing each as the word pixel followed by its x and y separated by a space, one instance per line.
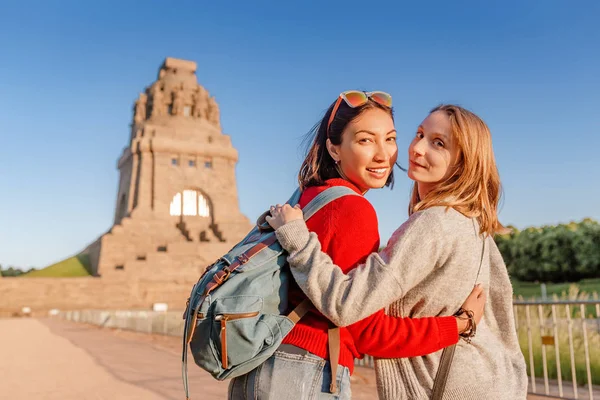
pixel 472 326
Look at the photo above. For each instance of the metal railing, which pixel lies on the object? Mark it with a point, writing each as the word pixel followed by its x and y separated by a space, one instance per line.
pixel 159 322
pixel 561 344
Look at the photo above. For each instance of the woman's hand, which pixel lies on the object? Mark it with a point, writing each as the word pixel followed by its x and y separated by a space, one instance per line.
pixel 475 302
pixel 281 215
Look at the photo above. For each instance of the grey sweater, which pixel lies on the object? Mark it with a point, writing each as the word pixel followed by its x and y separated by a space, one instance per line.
pixel 428 267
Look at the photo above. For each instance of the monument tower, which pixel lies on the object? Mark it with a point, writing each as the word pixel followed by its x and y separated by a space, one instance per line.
pixel 177 205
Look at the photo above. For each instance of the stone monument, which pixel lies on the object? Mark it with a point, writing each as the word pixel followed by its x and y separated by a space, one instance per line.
pixel 177 204
pixel 176 208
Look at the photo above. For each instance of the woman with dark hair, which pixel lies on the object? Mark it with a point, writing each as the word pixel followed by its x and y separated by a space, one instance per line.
pixel 353 146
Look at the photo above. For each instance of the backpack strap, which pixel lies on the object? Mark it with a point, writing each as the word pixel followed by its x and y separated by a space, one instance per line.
pixel 184 355
pixel 335 344
pixel 300 311
pixel 324 198
pixel 441 376
pixel 321 200
pixel 333 340
pixel 295 198
pixel 333 334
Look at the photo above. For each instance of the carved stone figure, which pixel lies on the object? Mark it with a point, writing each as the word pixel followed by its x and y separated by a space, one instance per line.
pixel 213 112
pixel 199 104
pixel 140 108
pixel 158 104
pixel 178 102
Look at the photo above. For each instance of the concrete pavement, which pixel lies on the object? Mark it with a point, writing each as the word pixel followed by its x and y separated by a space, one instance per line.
pixel 38 364
pixel 54 359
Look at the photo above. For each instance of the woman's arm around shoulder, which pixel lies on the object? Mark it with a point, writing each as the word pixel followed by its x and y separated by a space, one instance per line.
pixel 383 336
pixel 413 251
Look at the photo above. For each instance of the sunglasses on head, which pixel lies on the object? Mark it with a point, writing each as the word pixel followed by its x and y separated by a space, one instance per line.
pixel 357 98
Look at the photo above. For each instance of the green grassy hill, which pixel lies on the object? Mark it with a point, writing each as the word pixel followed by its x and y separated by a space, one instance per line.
pixel 78 265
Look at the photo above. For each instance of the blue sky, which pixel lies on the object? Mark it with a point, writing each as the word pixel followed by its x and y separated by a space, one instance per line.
pixel 71 70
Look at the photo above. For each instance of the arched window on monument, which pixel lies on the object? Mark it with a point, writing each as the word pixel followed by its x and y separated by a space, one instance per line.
pixel 191 203
pixel 176 205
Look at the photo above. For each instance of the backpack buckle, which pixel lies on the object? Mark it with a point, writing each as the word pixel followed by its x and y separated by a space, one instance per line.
pixel 222 275
pixel 187 308
pixel 227 273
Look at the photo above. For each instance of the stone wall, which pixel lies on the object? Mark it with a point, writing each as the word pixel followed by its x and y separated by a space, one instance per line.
pixel 44 294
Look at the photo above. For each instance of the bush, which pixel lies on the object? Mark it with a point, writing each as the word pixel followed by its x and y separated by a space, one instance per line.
pixel 562 253
pixel 12 272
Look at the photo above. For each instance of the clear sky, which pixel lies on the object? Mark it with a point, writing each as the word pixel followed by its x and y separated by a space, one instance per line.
pixel 71 70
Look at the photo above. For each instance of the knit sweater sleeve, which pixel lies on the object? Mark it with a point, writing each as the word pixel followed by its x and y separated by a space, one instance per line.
pixel 413 251
pixel 339 226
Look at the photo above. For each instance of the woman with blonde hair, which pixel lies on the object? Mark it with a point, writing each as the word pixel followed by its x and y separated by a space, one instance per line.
pixel 429 266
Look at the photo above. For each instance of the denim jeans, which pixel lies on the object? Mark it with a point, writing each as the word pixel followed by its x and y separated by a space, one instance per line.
pixel 291 377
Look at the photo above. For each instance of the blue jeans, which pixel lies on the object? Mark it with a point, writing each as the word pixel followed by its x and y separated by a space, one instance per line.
pixel 291 377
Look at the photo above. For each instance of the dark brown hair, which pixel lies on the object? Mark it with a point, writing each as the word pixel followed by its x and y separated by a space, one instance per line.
pixel 318 166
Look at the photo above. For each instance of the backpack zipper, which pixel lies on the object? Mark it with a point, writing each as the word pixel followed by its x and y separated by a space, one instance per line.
pixel 224 318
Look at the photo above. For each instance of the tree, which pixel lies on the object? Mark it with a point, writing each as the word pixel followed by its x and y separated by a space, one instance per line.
pixel 566 252
pixel 12 271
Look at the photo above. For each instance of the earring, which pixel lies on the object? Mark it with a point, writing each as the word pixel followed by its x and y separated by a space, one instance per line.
pixel 337 162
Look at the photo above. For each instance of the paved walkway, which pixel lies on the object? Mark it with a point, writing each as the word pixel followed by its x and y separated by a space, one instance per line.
pixel 55 359
pixel 38 364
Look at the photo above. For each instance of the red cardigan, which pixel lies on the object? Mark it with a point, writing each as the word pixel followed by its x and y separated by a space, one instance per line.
pixel 348 231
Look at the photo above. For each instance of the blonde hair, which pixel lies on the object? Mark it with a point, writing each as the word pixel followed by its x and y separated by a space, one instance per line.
pixel 474 188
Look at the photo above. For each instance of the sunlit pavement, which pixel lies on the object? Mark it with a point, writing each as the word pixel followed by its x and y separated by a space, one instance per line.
pixel 55 359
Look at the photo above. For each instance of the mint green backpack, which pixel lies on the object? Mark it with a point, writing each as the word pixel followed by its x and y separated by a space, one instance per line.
pixel 236 316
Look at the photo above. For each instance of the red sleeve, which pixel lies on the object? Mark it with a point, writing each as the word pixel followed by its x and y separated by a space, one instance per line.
pixel 355 236
pixel 383 336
